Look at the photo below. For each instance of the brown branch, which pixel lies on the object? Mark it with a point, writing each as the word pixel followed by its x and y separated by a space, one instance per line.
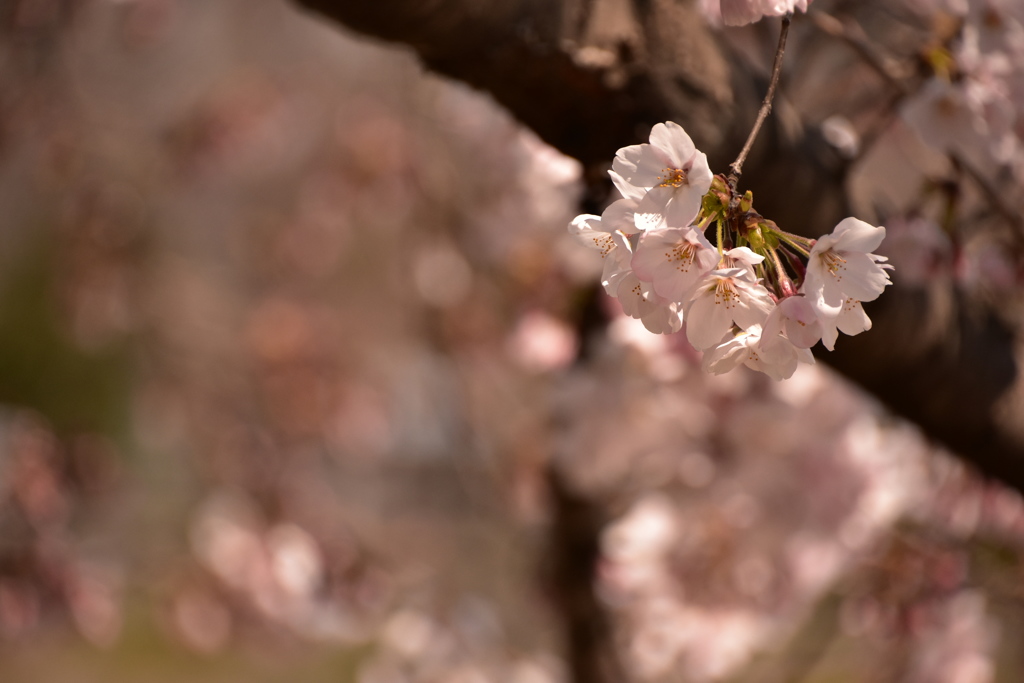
pixel 736 168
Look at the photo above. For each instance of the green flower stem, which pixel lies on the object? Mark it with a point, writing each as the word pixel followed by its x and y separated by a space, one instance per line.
pixel 803 245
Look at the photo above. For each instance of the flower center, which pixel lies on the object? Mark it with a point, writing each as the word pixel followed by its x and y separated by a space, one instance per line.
pixel 683 255
pixel 604 243
pixel 673 177
pixel 834 262
pixel 726 293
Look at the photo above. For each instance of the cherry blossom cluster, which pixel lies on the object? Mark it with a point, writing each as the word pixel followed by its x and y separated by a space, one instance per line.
pixel 760 296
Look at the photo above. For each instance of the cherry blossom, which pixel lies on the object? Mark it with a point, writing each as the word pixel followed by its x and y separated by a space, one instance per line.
pixel 795 317
pixel 639 300
pixel 759 350
pixel 673 259
pixel 675 174
pixel 723 298
pixel 840 268
pixel 607 234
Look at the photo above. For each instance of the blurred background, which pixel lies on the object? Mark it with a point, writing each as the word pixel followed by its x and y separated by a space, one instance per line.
pixel 303 379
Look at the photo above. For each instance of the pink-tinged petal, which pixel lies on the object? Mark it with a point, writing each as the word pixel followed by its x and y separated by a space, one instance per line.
pixel 592 233
pixel 699 173
pixel 753 306
pixel 820 286
pixel 677 281
pixel 682 207
pixel 620 216
pixel 615 270
pixel 853 234
pixel 674 142
pixel 651 212
pixel 742 257
pixel 728 353
pixel 665 318
pixel 627 190
pixel 775 357
pixel 800 322
pixel 674 259
pixel 707 321
pixel 640 165
pixel 829 331
pixel 651 251
pixel 631 296
pixel 860 277
pixel 585 223
pixel 852 319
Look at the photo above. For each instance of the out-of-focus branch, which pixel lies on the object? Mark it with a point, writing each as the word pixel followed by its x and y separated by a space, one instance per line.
pixel 934 358
pixel 573 554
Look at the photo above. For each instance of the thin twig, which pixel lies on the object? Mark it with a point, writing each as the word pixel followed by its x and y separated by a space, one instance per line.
pixel 736 168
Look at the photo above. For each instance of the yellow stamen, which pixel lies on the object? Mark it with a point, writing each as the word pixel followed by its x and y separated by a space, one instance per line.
pixel 673 177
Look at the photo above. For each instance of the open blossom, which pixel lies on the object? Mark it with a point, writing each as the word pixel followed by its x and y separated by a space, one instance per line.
pixel 841 269
pixel 797 319
pixel 671 170
pixel 607 234
pixel 758 349
pixel 639 300
pixel 723 298
pixel 673 259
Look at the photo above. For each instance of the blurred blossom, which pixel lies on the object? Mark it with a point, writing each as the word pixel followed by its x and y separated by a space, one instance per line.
pixel 409 633
pixel 839 132
pixel 296 559
pixel 95 605
pixel 988 267
pixel 919 250
pixel 542 342
pixel 958 646
pixel 19 609
pixel 225 536
pixel 442 276
pixel 201 620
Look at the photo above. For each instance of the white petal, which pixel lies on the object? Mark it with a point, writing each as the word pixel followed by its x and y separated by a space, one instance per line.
pixel 727 355
pixel 852 319
pixel 800 322
pixel 674 142
pixel 627 190
pixel 652 210
pixel 853 234
pixel 683 206
pixel 699 173
pixel 585 223
pixel 860 277
pixel 640 165
pixel 707 321
pixel 620 216
pixel 665 318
